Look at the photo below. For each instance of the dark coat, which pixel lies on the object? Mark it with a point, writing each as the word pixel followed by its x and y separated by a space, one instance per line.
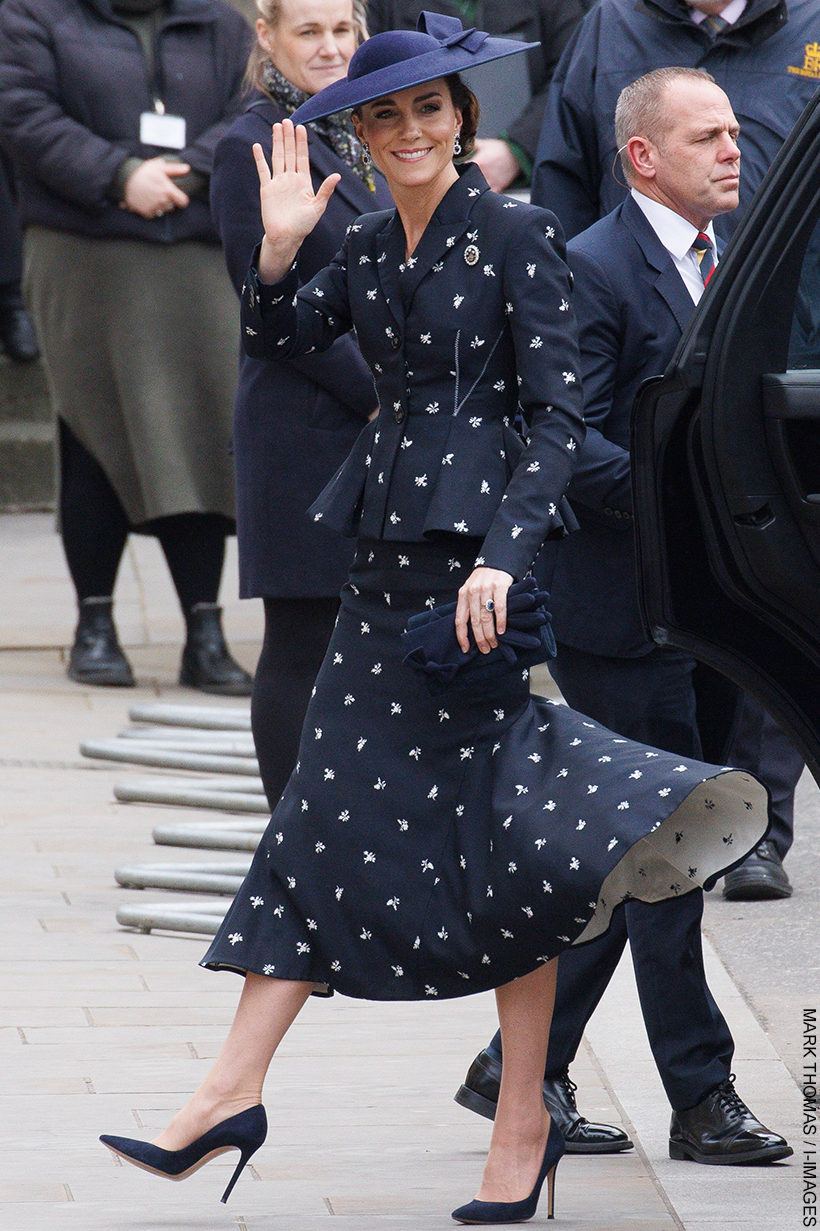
pixel 632 307
pixel 476 324
pixel 73 83
pixel 760 62
pixel 548 22
pixel 295 421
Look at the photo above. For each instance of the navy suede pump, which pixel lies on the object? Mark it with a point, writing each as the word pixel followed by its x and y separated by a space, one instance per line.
pixel 244 1132
pixel 487 1212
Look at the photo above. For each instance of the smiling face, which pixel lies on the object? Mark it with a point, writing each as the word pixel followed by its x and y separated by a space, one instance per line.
pixel 411 133
pixel 311 42
pixel 693 167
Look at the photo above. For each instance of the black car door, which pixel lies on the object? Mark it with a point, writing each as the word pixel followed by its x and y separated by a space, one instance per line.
pixel 726 450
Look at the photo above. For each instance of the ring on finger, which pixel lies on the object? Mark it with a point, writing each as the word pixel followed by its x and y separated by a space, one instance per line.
pixel 489 605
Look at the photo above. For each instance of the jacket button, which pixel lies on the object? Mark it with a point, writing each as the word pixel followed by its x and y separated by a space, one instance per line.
pixel 399 413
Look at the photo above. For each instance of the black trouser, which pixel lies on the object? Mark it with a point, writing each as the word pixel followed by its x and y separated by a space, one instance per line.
pixel 297 631
pixel 95 528
pixel 667 700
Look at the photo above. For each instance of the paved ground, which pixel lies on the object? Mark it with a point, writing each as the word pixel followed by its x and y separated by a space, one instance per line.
pixel 105 1030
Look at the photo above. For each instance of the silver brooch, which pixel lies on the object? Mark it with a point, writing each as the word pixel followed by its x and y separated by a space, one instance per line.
pixel 472 254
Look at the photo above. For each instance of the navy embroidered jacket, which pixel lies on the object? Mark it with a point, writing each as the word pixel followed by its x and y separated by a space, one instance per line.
pixel 475 327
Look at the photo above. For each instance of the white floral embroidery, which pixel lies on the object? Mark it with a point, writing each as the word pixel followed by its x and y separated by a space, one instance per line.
pixel 458 300
pixel 489 272
pixel 569 378
pixel 426 339
pixel 531 268
pixel 235 938
pixel 421 480
pixel 536 343
pixel 476 342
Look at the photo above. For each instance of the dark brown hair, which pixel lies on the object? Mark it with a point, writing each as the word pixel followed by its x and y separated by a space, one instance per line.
pixel 466 102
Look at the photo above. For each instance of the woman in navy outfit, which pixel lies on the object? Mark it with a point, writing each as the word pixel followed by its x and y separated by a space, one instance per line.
pixel 444 831
pixel 295 421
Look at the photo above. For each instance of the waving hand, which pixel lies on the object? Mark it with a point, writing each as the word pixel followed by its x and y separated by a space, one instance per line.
pixel 290 208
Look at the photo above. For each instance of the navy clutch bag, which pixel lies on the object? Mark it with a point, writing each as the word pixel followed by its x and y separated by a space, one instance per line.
pixel 432 647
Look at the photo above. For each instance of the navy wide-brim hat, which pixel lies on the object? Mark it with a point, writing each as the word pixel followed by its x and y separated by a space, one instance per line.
pixel 399 59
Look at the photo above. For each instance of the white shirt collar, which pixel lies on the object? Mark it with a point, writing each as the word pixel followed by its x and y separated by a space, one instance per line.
pixel 675 233
pixel 731 13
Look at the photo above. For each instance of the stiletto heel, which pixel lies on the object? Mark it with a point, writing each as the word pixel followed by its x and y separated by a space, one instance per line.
pixel 245 1132
pixel 246 1156
pixel 487 1212
pixel 551 1192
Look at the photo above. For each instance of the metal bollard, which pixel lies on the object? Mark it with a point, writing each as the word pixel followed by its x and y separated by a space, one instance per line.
pixel 212 835
pixel 221 878
pixel 210 717
pixel 126 750
pixel 192 797
pixel 203 920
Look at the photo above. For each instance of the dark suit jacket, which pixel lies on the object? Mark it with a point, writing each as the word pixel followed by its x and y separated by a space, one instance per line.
pixel 477 322
pixel 548 22
pixel 295 422
pixel 632 307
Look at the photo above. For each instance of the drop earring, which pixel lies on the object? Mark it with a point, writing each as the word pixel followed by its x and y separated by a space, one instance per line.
pixel 366 159
pixel 457 145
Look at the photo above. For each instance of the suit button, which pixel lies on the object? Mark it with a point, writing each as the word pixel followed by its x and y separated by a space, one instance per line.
pixel 399 413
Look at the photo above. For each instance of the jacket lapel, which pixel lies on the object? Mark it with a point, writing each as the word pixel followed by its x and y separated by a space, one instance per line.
pixel 669 284
pixel 390 248
pixel 449 223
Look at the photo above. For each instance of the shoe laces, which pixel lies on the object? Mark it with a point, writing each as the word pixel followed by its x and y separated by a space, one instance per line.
pixel 570 1088
pixel 729 1097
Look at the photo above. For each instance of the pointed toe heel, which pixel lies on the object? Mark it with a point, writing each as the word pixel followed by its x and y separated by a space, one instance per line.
pixel 487 1213
pixel 245 1132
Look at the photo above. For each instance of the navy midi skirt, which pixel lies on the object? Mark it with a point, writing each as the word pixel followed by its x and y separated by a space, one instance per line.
pixel 439 843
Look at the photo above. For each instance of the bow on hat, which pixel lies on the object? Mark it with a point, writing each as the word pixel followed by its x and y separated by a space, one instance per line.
pixel 449 31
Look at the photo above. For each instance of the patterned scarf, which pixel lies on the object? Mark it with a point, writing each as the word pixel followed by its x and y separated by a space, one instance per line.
pixel 335 130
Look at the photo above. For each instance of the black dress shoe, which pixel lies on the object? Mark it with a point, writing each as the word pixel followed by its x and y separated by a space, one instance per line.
pixel 480 1094
pixel 96 656
pixel 760 876
pixel 206 660
pixel 17 335
pixel 722 1131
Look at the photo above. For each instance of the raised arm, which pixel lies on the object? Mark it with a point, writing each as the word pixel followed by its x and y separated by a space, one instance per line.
pixel 290 207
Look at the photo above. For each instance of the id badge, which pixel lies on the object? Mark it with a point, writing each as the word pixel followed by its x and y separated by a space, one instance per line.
pixel 165 131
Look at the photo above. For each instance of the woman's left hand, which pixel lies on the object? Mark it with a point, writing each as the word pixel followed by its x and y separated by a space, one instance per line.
pixel 482 603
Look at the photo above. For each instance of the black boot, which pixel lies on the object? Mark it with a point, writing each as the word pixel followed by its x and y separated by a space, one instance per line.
pixel 96 656
pixel 206 660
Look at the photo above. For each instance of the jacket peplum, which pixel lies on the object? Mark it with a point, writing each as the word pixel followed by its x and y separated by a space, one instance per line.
pixel 471 334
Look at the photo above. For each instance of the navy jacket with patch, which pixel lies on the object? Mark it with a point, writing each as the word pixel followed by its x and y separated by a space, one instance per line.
pixel 764 62
pixel 476 325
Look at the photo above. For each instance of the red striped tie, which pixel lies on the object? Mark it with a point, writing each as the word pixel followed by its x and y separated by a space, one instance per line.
pixel 705 255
